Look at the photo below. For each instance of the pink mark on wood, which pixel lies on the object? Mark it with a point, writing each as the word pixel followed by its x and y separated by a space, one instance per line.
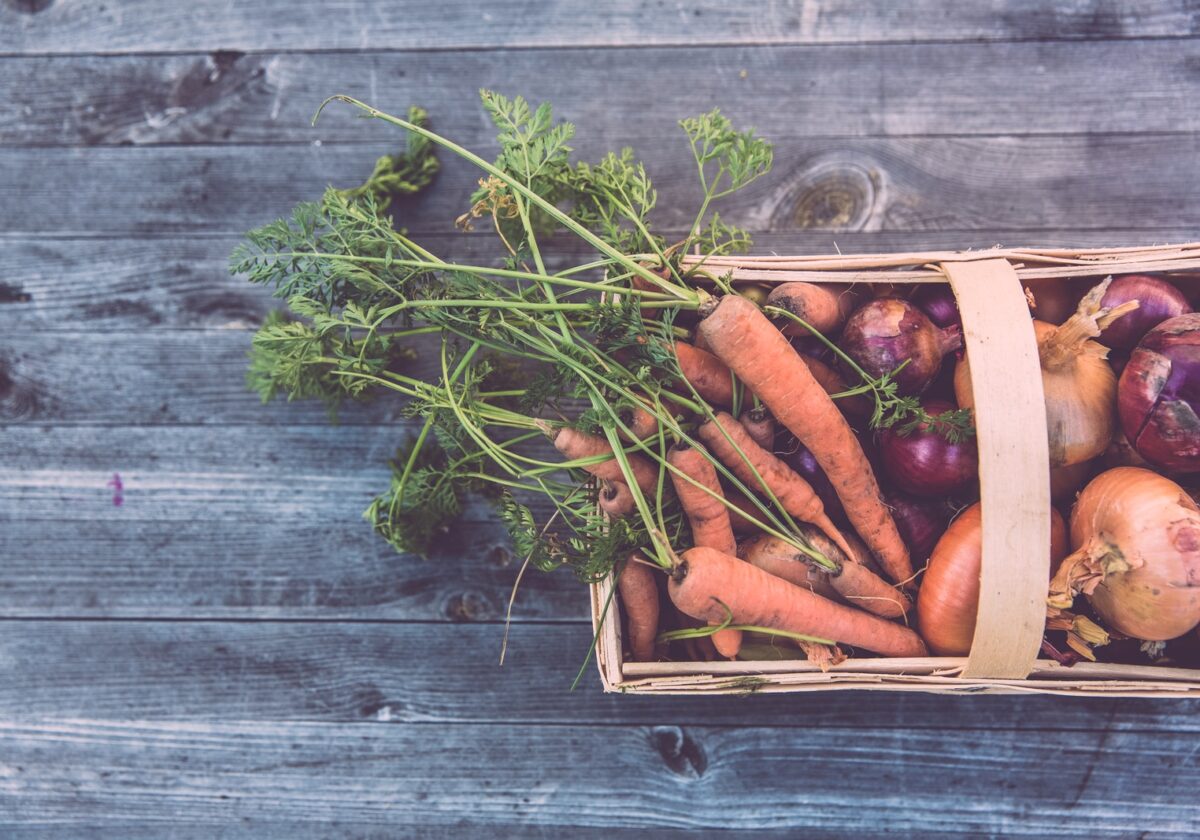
pixel 118 488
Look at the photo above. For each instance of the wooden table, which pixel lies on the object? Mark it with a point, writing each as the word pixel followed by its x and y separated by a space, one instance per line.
pixel 200 636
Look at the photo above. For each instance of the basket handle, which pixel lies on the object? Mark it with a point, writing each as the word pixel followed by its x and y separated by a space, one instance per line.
pixel 1014 464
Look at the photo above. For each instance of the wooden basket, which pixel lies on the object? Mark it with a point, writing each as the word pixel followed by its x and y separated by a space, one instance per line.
pixel 1011 432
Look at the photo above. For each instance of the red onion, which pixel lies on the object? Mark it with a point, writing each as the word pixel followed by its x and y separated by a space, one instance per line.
pixel 921 522
pixel 1159 395
pixel 937 301
pixel 1157 301
pixel 924 462
pixel 887 332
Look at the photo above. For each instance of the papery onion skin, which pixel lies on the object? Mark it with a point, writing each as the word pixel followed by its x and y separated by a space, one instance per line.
pixel 937 301
pixel 924 462
pixel 948 601
pixel 887 332
pixel 1157 301
pixel 1136 536
pixel 1066 481
pixel 1159 396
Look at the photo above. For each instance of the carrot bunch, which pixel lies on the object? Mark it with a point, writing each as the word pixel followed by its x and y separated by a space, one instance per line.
pixel 674 403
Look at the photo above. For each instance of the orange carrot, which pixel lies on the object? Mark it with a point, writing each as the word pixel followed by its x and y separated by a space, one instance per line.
pixel 707 583
pixel 760 425
pixel 793 492
pixel 615 499
pixel 826 307
pixel 760 355
pixel 638 589
pixel 642 424
pixel 834 383
pixel 782 560
pixel 857 584
pixel 706 373
pixel 575 444
pixel 707 516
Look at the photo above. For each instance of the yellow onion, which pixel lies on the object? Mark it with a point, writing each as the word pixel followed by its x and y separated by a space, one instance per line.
pixel 1080 386
pixel 1136 541
pixel 948 600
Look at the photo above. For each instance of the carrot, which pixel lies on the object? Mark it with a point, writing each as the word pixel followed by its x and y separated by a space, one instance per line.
pixel 760 425
pixel 780 559
pixel 857 584
pixel 793 492
pixel 834 383
pixel 826 307
pixel 762 357
pixel 615 499
pixel 742 512
pixel 575 444
pixel 706 373
pixel 706 584
pixel 707 516
pixel 642 424
pixel 639 597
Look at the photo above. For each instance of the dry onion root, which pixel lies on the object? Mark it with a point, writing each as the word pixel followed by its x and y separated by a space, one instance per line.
pixel 1136 540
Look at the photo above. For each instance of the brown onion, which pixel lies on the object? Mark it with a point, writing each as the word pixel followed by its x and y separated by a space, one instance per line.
pixel 1080 387
pixel 1136 536
pixel 1054 299
pixel 949 597
pixel 888 332
pixel 1066 481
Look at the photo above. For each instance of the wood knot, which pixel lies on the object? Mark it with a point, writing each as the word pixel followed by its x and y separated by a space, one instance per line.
pixel 28 7
pixel 682 755
pixel 18 401
pixel 830 194
pixel 468 606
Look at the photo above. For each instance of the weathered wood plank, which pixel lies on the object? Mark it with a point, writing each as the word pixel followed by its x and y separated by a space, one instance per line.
pixel 248 522
pixel 856 90
pixel 192 671
pixel 1135 182
pixel 78 285
pixel 43 26
pixel 91 773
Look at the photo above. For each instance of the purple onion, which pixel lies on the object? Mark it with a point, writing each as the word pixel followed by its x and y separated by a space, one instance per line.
pixel 921 522
pixel 1158 395
pixel 887 332
pixel 924 462
pixel 937 301
pixel 1157 301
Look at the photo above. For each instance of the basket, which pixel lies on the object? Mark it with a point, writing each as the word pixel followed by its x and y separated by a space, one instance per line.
pixel 1010 429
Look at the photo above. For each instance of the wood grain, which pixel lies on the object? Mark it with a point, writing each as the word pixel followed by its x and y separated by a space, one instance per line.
pixel 431 673
pixel 66 773
pixel 993 184
pixel 45 26
pixel 859 90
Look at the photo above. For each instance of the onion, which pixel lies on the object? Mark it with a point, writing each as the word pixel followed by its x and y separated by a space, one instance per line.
pixel 949 596
pixel 1066 481
pixel 1120 453
pixel 1080 387
pixel 1054 299
pixel 924 462
pixel 887 332
pixel 921 522
pixel 1157 301
pixel 1136 536
pixel 1159 395
pixel 937 301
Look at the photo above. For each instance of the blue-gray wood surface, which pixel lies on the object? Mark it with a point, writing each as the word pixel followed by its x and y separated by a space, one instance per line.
pixel 230 653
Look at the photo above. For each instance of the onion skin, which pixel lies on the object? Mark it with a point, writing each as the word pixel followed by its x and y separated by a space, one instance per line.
pixel 1054 299
pixel 1157 301
pixel 948 600
pixel 886 332
pixel 924 463
pixel 1136 536
pixel 1159 394
pixel 937 301
pixel 1066 481
pixel 921 522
